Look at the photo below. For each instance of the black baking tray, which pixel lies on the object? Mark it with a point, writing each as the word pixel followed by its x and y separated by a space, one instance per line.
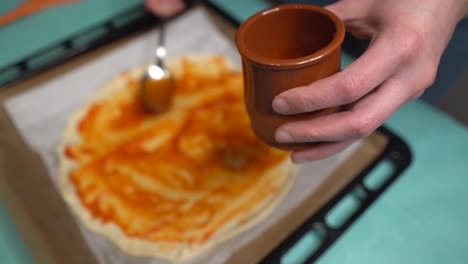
pixel 396 152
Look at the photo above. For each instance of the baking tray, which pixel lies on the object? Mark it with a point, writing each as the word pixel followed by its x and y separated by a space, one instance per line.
pixel 396 154
pixel 394 151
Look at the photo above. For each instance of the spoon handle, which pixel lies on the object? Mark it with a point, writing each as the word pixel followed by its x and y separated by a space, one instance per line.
pixel 160 48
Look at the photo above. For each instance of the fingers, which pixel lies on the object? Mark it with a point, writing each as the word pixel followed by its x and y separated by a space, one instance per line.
pixel 165 8
pixel 360 121
pixel 378 63
pixel 326 128
pixel 336 132
pixel 321 151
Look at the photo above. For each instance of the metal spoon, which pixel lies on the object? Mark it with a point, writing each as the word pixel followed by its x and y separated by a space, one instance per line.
pixel 157 84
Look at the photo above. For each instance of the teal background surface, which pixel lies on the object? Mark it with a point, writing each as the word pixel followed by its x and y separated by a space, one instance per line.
pixel 31 34
pixel 12 248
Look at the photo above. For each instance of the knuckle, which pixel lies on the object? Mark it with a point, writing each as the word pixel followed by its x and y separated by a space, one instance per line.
pixel 428 74
pixel 426 78
pixel 303 131
pixel 364 126
pixel 350 88
pixel 418 94
pixel 303 134
pixel 303 102
pixel 409 44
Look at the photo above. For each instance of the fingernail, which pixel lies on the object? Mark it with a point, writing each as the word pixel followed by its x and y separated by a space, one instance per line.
pixel 283 136
pixel 280 105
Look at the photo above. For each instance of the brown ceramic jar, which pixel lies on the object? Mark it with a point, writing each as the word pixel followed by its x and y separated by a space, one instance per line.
pixel 284 47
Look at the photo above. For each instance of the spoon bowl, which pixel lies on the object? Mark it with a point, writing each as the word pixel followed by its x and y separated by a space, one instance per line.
pixel 157 84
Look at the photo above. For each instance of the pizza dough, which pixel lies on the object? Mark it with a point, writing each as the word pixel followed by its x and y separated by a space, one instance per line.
pixel 174 184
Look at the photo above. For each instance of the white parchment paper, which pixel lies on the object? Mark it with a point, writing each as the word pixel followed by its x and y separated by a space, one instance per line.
pixel 40 115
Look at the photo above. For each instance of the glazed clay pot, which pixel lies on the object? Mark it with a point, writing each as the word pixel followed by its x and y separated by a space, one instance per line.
pixel 285 47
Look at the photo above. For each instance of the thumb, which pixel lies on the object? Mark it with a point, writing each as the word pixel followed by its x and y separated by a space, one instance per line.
pixel 355 16
pixel 337 9
pixel 350 9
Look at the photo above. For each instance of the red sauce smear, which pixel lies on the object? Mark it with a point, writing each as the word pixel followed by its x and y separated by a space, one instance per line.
pixel 136 205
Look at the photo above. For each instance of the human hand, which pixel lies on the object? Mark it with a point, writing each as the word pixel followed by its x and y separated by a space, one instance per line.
pixel 165 8
pixel 408 38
